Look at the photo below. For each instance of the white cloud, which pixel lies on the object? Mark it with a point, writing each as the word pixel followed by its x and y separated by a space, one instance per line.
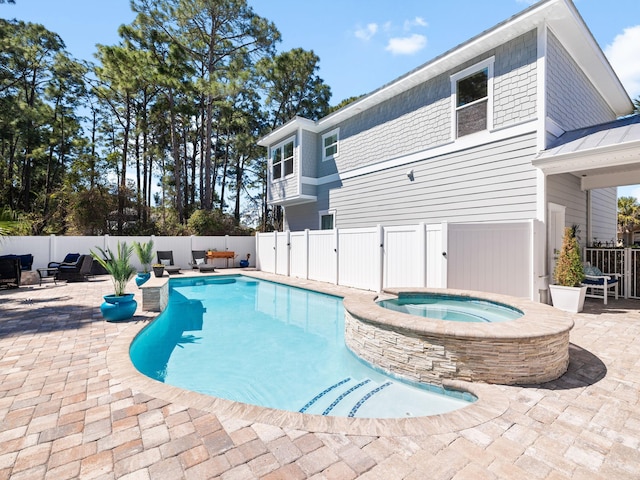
pixel 406 45
pixel 623 54
pixel 416 22
pixel 527 2
pixel 367 32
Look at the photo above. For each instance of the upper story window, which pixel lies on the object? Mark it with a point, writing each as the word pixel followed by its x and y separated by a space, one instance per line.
pixel 473 100
pixel 282 160
pixel 330 144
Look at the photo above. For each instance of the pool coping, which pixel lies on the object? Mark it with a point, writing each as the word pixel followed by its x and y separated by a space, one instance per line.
pixel 491 401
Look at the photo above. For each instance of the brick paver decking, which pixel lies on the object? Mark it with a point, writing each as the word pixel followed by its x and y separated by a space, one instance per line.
pixel 68 411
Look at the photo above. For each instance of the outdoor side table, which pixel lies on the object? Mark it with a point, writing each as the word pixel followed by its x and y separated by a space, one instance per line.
pixel 48 273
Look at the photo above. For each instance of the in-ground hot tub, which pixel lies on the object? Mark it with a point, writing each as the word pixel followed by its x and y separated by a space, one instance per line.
pixel 531 349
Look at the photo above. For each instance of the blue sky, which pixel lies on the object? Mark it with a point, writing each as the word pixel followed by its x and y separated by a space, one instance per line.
pixel 362 44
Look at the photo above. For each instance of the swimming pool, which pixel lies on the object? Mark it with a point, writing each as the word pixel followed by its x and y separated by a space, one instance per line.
pixel 272 345
pixel 452 308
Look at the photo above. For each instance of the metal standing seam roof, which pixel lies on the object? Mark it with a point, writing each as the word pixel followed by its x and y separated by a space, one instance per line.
pixel 616 132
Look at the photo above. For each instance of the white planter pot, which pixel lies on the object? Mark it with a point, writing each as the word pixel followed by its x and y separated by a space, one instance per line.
pixel 569 299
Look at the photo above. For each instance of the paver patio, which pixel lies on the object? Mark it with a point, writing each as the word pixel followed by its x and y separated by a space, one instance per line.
pixel 70 407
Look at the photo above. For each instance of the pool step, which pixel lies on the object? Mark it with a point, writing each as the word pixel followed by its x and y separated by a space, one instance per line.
pixel 345 398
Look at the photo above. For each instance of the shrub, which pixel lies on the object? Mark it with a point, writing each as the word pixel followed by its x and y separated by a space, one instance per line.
pixel 569 271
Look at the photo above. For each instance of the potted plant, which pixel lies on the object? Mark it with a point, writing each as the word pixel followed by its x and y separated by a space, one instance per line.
pixel 144 251
pixel 120 305
pixel 568 293
pixel 158 269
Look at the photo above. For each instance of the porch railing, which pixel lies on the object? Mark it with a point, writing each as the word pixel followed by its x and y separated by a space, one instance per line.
pixel 623 261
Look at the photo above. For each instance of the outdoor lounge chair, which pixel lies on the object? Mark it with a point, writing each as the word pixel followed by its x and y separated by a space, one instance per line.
pixel 594 279
pixel 10 271
pixel 77 271
pixel 200 261
pixel 69 258
pixel 166 259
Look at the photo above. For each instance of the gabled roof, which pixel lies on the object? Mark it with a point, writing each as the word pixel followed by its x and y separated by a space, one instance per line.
pixel 560 16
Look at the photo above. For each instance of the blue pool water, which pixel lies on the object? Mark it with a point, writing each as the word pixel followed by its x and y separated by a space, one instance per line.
pixel 452 308
pixel 276 346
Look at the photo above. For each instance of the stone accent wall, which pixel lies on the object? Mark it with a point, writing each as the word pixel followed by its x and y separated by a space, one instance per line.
pixel 530 350
pixel 155 294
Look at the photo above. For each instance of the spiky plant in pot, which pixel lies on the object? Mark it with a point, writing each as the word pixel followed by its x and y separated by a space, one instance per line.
pixel 144 251
pixel 117 265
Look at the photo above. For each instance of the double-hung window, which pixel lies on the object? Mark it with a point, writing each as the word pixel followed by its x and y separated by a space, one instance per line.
pixel 473 99
pixel 330 144
pixel 282 160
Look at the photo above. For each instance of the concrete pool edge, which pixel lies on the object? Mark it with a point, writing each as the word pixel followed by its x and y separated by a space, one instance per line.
pixel 532 349
pixel 491 401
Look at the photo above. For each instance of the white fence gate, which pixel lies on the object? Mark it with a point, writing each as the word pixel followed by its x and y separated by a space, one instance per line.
pixel 494 258
pixel 503 258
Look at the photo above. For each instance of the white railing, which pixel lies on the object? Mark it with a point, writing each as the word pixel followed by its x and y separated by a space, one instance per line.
pixel 623 261
pixel 53 248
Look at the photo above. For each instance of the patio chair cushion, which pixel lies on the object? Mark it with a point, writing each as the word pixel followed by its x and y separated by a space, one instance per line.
pixel 600 281
pixel 592 271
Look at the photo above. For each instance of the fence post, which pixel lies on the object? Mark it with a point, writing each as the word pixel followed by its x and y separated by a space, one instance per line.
pixel 306 254
pixel 380 257
pixel 52 247
pixel 422 253
pixel 288 232
pixel 336 249
pixel 444 243
pixel 257 242
pixel 627 271
pixel 275 252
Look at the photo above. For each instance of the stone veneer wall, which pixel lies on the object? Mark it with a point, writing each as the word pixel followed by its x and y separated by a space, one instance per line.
pixel 530 350
pixel 155 294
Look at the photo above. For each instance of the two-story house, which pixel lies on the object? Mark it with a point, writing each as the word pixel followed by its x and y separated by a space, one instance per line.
pixel 474 135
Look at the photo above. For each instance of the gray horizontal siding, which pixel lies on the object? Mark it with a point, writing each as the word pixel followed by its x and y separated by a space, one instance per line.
pixel 604 206
pixel 565 190
pixel 493 182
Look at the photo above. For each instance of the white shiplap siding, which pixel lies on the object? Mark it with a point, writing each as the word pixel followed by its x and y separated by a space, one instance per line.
pixel 492 182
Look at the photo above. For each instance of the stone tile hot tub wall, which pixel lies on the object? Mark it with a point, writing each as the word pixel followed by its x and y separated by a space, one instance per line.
pixel 531 349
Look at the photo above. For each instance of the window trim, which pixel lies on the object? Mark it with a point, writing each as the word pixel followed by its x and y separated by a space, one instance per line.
pixel 486 64
pixel 323 213
pixel 336 132
pixel 282 161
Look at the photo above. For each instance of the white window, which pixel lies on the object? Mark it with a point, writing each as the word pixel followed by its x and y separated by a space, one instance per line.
pixel 282 160
pixel 330 144
pixel 473 99
pixel 327 220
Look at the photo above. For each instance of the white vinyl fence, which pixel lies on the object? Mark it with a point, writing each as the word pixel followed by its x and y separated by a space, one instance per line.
pixel 505 258
pixel 53 248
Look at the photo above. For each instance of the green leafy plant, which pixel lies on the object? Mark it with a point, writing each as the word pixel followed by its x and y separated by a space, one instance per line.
pixel 117 265
pixel 569 271
pixel 144 251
